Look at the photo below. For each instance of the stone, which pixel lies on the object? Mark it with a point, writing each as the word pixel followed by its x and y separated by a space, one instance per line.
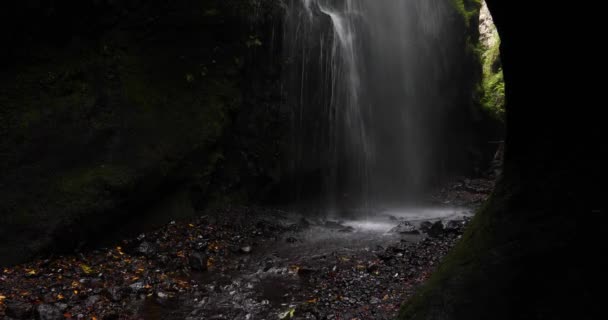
pixel 48 312
pixel 347 229
pixel 426 226
pixel 19 310
pixel 138 287
pixel 92 300
pixel 454 226
pixel 405 227
pixel 147 249
pixel 306 271
pixel 373 267
pixel 304 223
pixel 436 230
pixel 198 261
pixel 115 294
pixel 162 298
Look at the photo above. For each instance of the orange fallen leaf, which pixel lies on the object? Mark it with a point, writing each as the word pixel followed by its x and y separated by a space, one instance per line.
pixel 60 297
pixel 67 315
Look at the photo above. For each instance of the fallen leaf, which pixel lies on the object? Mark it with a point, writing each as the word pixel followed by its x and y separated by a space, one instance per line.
pixel 86 269
pixel 287 314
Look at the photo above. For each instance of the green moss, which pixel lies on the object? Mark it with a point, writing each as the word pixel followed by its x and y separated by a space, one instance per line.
pixel 433 300
pixel 469 10
pixel 493 84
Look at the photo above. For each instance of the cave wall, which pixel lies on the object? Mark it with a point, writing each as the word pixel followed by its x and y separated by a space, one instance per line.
pixel 111 108
pixel 531 252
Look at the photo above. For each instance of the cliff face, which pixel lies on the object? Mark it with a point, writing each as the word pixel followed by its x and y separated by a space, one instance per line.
pixel 537 238
pixel 111 108
pixel 493 83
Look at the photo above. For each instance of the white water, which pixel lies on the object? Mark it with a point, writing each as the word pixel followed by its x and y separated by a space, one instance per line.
pixel 364 87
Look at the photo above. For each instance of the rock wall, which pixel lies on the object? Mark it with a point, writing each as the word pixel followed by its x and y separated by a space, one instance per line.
pixel 531 252
pixel 493 83
pixel 108 109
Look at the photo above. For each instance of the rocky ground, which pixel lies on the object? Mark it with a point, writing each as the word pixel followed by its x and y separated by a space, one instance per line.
pixel 246 263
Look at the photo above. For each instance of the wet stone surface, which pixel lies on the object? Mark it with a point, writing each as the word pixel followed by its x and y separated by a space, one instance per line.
pixel 243 263
pixel 209 268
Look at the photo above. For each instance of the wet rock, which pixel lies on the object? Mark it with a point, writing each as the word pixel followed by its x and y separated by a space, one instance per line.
pixel 291 240
pixel 375 300
pixel 48 312
pixel 246 249
pixel 405 227
pixel 436 229
pixel 147 249
pixel 454 226
pixel 201 245
pixel 373 267
pixel 347 229
pixel 426 226
pixel 92 300
pixel 304 223
pixel 115 294
pixel 61 306
pixel 307 271
pixel 333 225
pixel 198 261
pixel 385 256
pixel 111 316
pixel 162 298
pixel 19 310
pixel 138 287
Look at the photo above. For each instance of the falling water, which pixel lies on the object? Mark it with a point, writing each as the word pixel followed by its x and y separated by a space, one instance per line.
pixel 364 80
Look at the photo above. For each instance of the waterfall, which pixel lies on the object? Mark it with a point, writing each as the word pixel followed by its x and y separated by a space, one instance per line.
pixel 363 81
